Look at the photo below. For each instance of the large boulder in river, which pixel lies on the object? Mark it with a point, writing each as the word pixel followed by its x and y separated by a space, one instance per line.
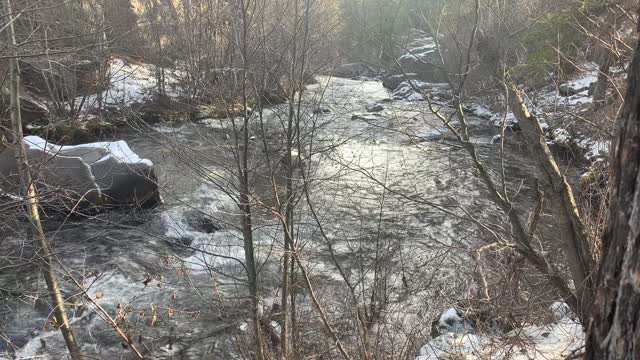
pixel 353 70
pixel 413 90
pixel 421 57
pixel 104 173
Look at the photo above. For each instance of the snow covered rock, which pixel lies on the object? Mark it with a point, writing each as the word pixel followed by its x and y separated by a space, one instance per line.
pixel 451 321
pixel 103 173
pixel 421 57
pixel 555 340
pixel 509 120
pixel 561 136
pixel 571 90
pixel 479 110
pixel 581 84
pixel 572 93
pixel 365 117
pixel 407 90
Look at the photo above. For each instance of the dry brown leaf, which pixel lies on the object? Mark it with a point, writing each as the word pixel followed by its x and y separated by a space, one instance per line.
pixel 147 280
pixel 154 315
pixel 170 312
pixel 99 295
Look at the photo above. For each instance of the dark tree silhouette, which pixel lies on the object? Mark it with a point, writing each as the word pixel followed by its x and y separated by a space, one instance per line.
pixel 616 312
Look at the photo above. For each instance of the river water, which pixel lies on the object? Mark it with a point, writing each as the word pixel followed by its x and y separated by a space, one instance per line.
pixel 390 204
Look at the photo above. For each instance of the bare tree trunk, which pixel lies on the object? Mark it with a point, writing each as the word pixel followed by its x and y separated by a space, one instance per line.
pixel 29 192
pixel 292 125
pixel 245 188
pixel 602 85
pixel 103 70
pixel 616 311
pixel 289 207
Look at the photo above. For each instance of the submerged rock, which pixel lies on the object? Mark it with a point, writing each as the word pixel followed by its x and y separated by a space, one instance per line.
pixel 353 70
pixel 374 107
pixel 201 222
pixel 364 117
pixel 434 135
pixel 103 173
pixel 321 110
pixel 413 90
pixel 393 81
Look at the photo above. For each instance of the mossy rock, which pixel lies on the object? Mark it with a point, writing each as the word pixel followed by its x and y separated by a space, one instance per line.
pixel 164 115
pixel 435 328
pixel 165 110
pixel 210 111
pixel 221 112
pixel 273 97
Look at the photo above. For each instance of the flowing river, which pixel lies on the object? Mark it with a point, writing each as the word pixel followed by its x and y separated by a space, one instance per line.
pixel 391 194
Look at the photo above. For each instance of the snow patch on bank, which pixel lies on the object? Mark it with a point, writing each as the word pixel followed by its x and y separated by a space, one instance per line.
pixel 556 340
pixel 132 83
pixel 575 93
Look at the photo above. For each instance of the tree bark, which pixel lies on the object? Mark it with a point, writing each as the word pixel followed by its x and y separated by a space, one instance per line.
pixel 245 187
pixel 29 193
pixel 602 84
pixel 616 311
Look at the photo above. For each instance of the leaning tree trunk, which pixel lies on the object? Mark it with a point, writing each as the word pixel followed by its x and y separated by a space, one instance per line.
pixel 616 311
pixel 571 230
pixel 29 194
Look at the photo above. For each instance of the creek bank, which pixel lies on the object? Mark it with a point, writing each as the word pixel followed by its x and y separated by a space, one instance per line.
pixel 96 126
pixel 562 111
pixel 556 106
pixel 133 93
